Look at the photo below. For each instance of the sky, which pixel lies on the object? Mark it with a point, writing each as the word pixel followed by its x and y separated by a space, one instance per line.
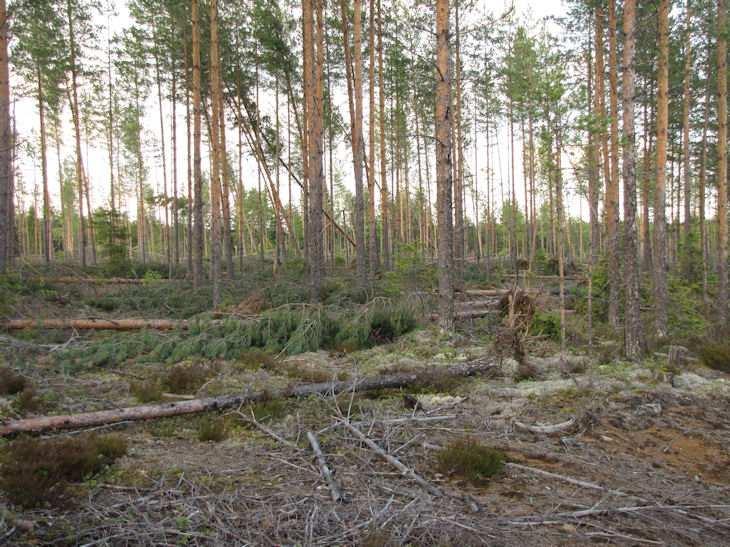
pixel 95 156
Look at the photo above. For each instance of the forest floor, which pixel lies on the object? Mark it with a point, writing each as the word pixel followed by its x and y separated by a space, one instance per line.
pixel 640 455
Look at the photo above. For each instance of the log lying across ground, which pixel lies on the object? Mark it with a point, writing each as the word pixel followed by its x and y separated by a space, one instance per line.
pixel 147 412
pixel 94 324
pixel 70 280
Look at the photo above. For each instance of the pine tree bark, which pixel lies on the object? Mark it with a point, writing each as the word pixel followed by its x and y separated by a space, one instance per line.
pixel 384 197
pixel 722 160
pixel 633 328
pixel 313 93
pixel 660 223
pixel 77 130
pixel 443 166
pixel 612 185
pixel 686 160
pixel 373 254
pixel 459 253
pixel 357 146
pixel 216 149
pixel 6 144
pixel 47 220
pixel 600 110
pixel 198 233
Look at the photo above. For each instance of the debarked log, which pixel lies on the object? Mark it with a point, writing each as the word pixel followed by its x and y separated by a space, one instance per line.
pixel 178 408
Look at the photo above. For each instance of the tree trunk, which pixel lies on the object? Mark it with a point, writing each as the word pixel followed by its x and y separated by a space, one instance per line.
pixel 686 161
pixel 77 130
pixel 701 194
pixel 384 197
pixel 47 220
pixel 373 254
pixel 198 234
pixel 612 185
pixel 217 159
pixel 660 223
pixel 633 327
pixel 722 160
pixel 6 144
pixel 313 42
pixel 443 166
pixel 459 253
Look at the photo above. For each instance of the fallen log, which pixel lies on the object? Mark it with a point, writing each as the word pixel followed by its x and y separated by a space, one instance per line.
pixel 94 324
pixel 97 280
pixel 178 408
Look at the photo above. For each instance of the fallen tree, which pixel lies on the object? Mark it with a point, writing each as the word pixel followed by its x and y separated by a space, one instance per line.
pixel 70 280
pixel 179 408
pixel 94 324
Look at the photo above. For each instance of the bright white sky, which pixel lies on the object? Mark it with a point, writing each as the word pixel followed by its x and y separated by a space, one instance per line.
pixel 97 166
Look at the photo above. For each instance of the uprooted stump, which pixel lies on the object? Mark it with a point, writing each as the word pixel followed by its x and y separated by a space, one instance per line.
pixel 147 412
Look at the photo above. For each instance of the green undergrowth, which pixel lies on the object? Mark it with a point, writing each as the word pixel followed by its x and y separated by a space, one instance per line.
pixel 289 330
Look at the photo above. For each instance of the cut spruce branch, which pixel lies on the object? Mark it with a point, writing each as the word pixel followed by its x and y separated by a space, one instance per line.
pixel 179 408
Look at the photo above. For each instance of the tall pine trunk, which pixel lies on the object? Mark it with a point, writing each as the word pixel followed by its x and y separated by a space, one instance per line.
pixel 443 166
pixel 632 333
pixel 660 225
pixel 198 234
pixel 722 160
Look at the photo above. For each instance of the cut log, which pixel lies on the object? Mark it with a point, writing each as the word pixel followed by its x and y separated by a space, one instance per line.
pixel 178 408
pixel 97 280
pixel 546 429
pixel 94 324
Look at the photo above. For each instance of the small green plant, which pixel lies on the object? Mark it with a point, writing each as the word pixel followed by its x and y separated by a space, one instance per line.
pixel 716 355
pixel 11 382
pixel 148 391
pixel 212 429
pixel 546 324
pixel 35 472
pixel 471 461
pixel 274 409
pixel 254 358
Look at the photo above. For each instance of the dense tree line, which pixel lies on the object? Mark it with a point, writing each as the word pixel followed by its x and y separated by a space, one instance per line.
pixel 474 139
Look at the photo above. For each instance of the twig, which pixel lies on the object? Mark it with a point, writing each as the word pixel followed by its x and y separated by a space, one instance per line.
pixel 335 490
pixel 253 421
pixel 395 462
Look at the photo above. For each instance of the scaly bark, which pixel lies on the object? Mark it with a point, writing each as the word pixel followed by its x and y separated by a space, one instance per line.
pixel 660 223
pixel 198 234
pixel 633 328
pixel 722 160
pixel 443 166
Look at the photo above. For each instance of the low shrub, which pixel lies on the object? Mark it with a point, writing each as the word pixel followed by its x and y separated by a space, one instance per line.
pixel 187 377
pixel 11 382
pixel 471 461
pixel 148 391
pixel 36 472
pixel 28 401
pixel 212 429
pixel 716 355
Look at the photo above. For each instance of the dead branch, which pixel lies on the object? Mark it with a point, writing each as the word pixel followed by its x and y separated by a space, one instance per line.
pixel 392 460
pixel 546 429
pixel 335 490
